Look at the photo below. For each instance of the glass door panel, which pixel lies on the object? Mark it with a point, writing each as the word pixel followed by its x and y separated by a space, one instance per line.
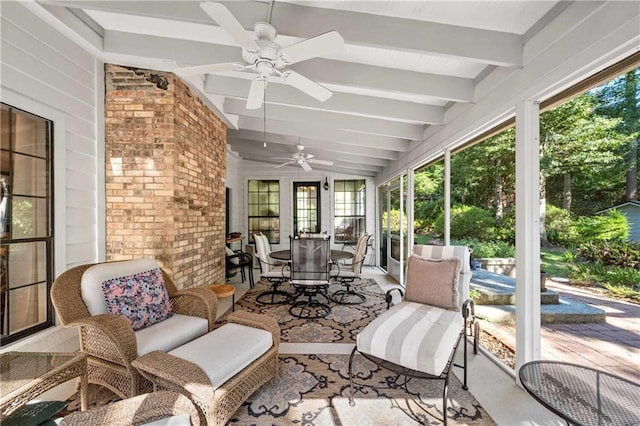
pixel 306 207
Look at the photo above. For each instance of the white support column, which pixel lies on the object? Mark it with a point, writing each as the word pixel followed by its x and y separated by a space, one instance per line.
pixel 410 209
pixel 527 232
pixel 447 197
pixel 402 202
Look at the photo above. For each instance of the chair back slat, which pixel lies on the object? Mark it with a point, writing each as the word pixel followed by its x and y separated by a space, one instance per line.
pixel 310 260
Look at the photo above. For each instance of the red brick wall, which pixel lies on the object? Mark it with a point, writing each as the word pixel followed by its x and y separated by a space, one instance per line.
pixel 165 165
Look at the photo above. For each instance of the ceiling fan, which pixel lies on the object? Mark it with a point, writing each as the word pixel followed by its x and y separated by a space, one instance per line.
pixel 266 57
pixel 303 159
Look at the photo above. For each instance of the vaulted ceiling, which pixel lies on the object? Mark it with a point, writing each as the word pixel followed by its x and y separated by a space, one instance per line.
pixel 404 63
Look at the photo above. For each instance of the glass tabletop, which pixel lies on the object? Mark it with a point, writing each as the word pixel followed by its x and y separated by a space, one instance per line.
pixel 582 395
pixel 335 255
pixel 20 369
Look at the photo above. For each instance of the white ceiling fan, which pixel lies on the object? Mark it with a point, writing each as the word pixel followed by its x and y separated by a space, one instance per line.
pixel 303 159
pixel 266 57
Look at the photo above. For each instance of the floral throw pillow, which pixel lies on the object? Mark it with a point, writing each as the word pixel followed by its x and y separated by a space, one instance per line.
pixel 141 298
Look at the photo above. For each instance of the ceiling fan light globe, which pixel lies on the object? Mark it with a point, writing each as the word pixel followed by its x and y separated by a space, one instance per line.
pixel 265 31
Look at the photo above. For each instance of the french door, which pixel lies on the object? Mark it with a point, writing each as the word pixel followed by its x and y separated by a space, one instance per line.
pixel 306 207
pixel 393 227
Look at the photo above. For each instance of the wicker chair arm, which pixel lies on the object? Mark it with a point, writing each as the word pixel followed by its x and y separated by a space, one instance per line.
pixel 179 375
pixel 197 302
pixel 108 337
pixel 262 321
pixel 136 411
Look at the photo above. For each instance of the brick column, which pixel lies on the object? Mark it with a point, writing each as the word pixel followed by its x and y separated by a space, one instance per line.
pixel 165 168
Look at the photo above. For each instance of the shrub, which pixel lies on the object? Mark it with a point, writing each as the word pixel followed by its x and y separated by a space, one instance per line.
pixel 506 229
pixel 425 214
pixel 558 226
pixel 608 227
pixel 619 281
pixel 610 253
pixel 468 222
pixel 493 249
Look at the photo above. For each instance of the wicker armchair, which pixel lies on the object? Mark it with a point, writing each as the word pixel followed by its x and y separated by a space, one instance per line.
pixel 138 410
pixel 109 340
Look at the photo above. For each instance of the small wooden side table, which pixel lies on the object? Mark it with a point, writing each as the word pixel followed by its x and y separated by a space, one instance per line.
pixel 225 290
pixel 26 375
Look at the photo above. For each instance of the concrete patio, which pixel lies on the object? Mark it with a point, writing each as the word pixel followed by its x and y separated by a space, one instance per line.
pixel 613 345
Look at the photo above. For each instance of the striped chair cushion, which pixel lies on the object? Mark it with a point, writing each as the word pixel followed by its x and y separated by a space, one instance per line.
pixel 440 252
pixel 413 335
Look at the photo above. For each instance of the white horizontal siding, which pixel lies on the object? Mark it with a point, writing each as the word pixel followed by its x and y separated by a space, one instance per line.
pixel 51 58
pixel 46 73
pixel 81 144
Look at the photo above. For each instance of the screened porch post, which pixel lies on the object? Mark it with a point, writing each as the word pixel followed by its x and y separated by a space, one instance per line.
pixel 527 232
pixel 447 197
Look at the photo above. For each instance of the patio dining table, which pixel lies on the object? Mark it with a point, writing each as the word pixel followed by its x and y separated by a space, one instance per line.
pixel 336 255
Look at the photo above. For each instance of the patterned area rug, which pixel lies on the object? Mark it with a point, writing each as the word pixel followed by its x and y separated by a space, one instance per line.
pixel 342 325
pixel 314 390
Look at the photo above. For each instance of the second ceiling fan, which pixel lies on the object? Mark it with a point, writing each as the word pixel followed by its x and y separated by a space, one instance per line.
pixel 266 57
pixel 303 159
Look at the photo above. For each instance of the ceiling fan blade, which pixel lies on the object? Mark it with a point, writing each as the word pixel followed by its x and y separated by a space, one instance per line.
pixel 256 93
pixel 284 164
pixel 210 68
pixel 219 13
pixel 307 86
pixel 305 166
pixel 325 162
pixel 319 45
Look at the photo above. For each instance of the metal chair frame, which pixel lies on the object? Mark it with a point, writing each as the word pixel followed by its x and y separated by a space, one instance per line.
pixel 310 267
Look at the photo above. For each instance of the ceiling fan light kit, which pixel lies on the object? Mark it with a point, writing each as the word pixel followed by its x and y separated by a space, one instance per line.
pixel 266 57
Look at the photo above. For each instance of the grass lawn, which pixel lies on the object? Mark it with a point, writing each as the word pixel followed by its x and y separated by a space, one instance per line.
pixel 553 262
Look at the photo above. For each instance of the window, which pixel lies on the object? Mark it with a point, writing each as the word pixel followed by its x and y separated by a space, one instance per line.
pixel 264 209
pixel 350 209
pixel 26 223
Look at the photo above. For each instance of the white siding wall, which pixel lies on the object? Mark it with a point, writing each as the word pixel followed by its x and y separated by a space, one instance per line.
pixel 47 74
pixel 287 176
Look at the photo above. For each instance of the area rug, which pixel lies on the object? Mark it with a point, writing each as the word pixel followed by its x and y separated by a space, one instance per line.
pixel 342 325
pixel 314 390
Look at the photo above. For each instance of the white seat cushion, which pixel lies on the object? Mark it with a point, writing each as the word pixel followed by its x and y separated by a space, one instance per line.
pixel 413 335
pixel 225 351
pixel 170 333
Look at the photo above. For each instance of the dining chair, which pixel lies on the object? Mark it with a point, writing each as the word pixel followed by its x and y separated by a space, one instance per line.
pixel 347 274
pixel 310 267
pixel 271 272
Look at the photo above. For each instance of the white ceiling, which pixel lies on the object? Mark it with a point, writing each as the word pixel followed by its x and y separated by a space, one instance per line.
pixel 404 63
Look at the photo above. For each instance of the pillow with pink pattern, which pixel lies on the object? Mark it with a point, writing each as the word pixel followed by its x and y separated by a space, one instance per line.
pixel 141 298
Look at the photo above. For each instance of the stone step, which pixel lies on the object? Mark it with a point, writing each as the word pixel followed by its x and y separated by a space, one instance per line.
pixel 497 289
pixel 566 311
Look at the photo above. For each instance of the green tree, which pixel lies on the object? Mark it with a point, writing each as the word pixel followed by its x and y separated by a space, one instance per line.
pixel 575 141
pixel 620 98
pixel 428 196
